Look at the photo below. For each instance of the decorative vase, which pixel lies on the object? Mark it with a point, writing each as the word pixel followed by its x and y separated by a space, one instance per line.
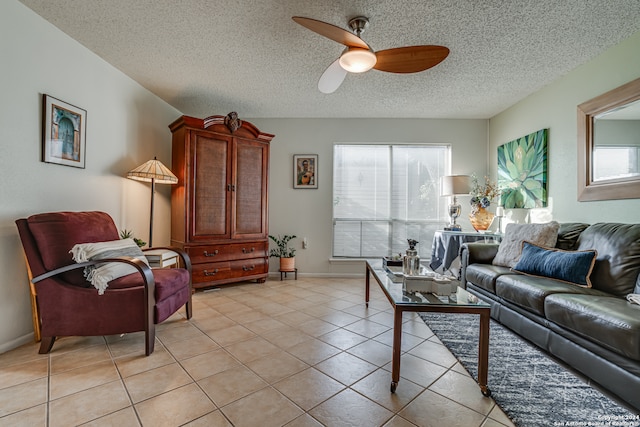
pixel 481 219
pixel 288 264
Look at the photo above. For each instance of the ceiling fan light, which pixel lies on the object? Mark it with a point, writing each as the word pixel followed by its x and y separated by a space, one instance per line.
pixel 356 60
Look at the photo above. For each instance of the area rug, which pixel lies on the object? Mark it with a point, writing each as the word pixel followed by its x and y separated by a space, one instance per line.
pixel 529 386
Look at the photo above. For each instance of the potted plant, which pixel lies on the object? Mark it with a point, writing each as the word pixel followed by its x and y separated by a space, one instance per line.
pixel 284 252
pixel 128 234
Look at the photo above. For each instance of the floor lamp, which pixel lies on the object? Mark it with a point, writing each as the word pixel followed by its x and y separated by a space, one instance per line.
pixel 155 172
pixel 454 185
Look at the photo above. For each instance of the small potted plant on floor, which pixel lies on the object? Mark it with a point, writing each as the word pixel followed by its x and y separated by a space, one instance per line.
pixel 284 252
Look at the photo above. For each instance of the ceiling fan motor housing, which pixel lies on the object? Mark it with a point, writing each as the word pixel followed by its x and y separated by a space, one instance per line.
pixel 358 24
pixel 355 59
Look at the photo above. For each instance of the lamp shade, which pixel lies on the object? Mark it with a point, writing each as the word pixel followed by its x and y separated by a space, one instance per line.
pixel 358 60
pixel 452 185
pixel 153 169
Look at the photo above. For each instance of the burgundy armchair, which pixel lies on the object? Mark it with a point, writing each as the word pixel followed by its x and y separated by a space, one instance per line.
pixel 66 304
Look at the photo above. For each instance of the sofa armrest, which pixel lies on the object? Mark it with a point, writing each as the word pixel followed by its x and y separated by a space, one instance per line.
pixel 475 253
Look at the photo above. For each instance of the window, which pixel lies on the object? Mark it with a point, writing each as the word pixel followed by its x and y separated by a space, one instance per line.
pixel 611 162
pixel 384 195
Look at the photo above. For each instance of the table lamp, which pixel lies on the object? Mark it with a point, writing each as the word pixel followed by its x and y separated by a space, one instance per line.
pixel 454 185
pixel 155 172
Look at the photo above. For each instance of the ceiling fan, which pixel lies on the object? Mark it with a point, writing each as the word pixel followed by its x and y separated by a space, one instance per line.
pixel 358 56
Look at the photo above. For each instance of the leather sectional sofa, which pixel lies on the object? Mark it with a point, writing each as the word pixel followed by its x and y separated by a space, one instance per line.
pixel 594 330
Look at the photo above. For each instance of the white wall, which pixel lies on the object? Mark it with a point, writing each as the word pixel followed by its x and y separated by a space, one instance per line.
pixel 555 107
pixel 308 213
pixel 126 125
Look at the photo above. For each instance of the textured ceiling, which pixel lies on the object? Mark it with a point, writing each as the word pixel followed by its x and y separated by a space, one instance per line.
pixel 210 57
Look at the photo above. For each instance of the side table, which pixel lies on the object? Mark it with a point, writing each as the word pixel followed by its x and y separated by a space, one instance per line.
pixel 161 258
pixel 446 246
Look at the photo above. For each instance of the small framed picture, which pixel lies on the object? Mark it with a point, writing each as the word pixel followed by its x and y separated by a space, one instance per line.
pixel 305 171
pixel 64 132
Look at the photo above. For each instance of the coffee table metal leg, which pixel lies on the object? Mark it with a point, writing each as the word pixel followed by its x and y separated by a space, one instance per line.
pixel 366 286
pixel 397 344
pixel 483 353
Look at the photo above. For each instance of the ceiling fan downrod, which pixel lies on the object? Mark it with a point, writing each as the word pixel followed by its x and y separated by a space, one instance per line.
pixel 358 24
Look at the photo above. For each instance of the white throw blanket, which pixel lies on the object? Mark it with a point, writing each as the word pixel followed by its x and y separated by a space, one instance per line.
pixel 101 274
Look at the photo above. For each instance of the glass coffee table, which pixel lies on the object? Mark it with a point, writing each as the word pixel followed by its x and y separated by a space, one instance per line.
pixel 401 301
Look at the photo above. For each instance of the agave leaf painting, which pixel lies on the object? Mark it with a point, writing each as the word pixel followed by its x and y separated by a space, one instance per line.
pixel 522 171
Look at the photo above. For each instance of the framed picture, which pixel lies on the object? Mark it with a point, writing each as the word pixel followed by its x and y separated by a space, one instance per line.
pixel 522 171
pixel 305 171
pixel 64 132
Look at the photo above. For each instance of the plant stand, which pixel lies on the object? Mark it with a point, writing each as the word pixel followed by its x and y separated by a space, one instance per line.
pixel 283 273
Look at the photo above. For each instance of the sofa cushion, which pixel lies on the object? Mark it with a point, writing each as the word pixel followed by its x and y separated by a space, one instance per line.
pixel 55 234
pixel 530 292
pixel 612 322
pixel 485 275
pixel 568 235
pixel 618 263
pixel 170 290
pixel 168 281
pixel 568 266
pixel 514 234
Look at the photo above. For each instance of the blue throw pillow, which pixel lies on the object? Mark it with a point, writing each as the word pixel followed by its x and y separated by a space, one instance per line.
pixel 568 266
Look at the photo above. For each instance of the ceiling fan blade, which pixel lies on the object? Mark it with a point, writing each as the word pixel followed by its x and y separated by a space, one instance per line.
pixel 410 59
pixel 332 77
pixel 332 32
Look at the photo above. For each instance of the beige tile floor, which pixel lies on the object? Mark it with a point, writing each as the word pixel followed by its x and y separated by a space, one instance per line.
pixel 303 352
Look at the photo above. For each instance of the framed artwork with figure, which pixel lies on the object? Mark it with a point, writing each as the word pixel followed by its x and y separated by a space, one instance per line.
pixel 305 171
pixel 64 130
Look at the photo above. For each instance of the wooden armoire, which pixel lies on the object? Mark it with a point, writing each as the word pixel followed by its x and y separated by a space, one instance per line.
pixel 219 208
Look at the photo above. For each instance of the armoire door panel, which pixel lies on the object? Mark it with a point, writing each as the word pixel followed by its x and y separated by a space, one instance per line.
pixel 250 191
pixel 210 190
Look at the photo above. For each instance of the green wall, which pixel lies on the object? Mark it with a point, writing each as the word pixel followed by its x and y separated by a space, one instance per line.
pixel 555 107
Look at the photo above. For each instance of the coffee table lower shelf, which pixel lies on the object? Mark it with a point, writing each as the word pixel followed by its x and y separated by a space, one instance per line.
pixel 484 311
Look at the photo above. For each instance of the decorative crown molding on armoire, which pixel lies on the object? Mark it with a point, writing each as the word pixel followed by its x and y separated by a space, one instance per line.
pixel 219 208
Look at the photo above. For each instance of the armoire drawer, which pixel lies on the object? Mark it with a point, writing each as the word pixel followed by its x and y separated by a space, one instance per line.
pixel 216 271
pixel 227 252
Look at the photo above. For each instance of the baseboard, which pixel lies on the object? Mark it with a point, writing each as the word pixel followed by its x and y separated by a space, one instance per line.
pixel 16 342
pixel 324 275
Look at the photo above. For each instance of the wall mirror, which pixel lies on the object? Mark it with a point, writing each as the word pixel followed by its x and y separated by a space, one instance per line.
pixel 609 145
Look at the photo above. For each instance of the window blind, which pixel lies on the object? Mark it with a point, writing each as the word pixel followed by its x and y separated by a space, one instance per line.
pixel 385 194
